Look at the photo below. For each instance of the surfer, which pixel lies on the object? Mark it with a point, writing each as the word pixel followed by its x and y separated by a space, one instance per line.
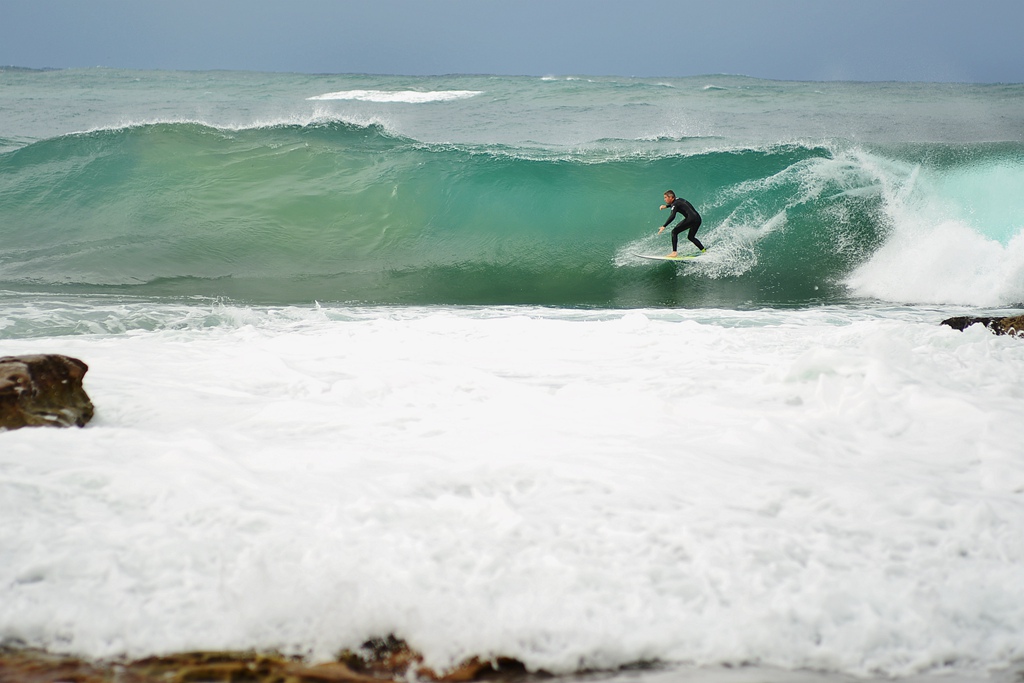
pixel 691 221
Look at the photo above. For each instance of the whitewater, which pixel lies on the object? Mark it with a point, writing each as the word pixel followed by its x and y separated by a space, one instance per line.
pixel 373 355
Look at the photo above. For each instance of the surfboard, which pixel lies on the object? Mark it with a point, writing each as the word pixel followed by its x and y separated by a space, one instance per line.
pixel 684 257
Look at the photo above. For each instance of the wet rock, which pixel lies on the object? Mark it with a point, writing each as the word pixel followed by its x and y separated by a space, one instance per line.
pixel 1011 325
pixel 43 390
pixel 391 657
pixel 33 666
pixel 379 661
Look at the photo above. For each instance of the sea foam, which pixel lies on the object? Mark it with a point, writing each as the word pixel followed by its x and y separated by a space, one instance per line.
pixel 956 236
pixel 829 489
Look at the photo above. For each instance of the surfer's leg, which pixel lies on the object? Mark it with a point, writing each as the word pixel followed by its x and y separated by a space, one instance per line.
pixel 692 235
pixel 675 237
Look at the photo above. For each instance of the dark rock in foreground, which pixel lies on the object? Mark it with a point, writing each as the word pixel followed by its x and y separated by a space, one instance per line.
pixel 1012 325
pixel 380 661
pixel 43 390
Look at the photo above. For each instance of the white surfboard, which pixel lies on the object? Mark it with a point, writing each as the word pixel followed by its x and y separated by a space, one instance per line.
pixel 684 257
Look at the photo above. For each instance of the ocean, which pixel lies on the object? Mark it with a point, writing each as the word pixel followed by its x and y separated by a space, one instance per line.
pixel 376 355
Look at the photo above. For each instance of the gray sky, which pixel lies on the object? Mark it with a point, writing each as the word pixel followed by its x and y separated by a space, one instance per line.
pixel 930 40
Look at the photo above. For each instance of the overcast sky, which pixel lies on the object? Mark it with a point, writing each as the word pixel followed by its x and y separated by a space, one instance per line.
pixel 930 40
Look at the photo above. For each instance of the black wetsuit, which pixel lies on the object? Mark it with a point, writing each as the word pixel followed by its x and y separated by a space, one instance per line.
pixel 691 221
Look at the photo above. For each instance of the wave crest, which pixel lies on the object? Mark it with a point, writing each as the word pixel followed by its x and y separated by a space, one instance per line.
pixel 400 96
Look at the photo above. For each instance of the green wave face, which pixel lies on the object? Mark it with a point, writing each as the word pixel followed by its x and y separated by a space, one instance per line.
pixel 338 212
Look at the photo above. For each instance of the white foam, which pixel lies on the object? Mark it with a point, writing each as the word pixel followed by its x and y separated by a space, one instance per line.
pixel 831 489
pixel 317 117
pixel 406 96
pixel 954 239
pixel 947 262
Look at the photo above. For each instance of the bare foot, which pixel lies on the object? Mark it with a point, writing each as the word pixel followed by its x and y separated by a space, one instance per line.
pixel 673 254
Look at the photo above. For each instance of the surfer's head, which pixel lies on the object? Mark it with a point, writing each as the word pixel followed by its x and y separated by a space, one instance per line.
pixel 669 196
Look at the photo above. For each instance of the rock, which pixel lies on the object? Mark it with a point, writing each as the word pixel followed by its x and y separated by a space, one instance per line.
pixel 1011 325
pixel 383 660
pixel 392 658
pixel 43 390
pixel 963 322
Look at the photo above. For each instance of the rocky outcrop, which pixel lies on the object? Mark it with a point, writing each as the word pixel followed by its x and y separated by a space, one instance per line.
pixel 380 661
pixel 43 390
pixel 1012 325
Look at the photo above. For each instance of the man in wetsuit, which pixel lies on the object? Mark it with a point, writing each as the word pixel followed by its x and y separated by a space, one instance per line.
pixel 691 221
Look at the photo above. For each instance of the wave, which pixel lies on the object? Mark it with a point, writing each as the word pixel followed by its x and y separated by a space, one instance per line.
pixel 406 96
pixel 340 211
